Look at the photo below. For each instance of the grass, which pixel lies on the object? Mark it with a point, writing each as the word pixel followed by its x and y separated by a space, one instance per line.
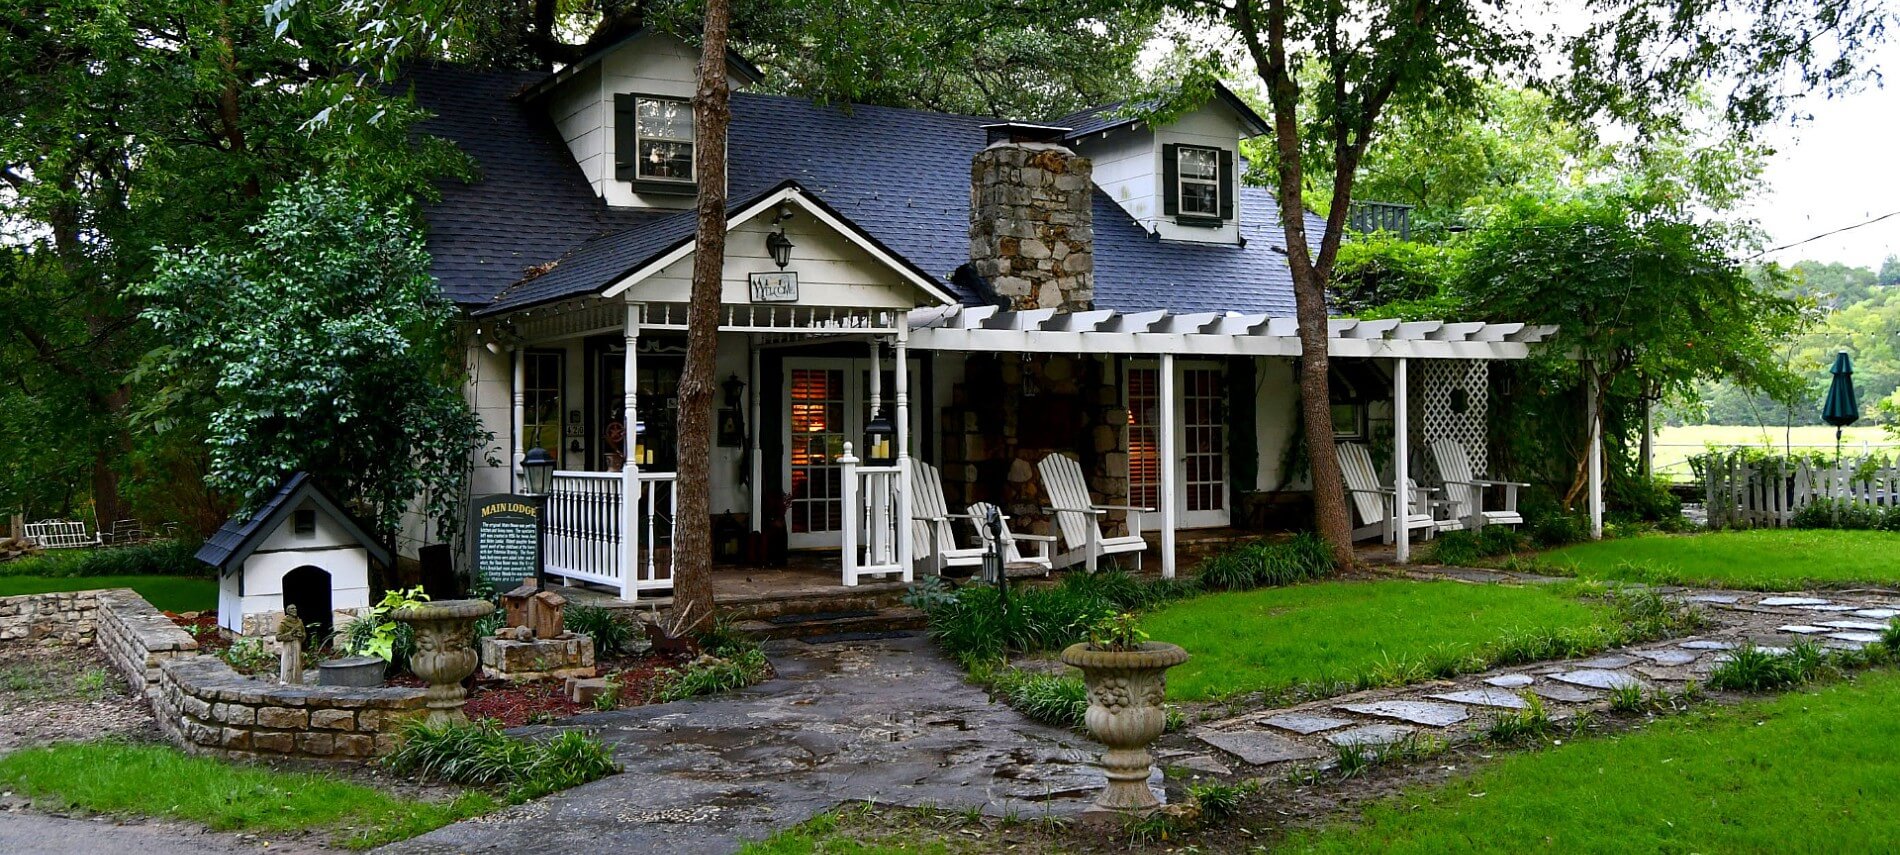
pixel 1273 639
pixel 152 780
pixel 857 830
pixel 167 593
pixel 1675 445
pixel 1759 560
pixel 1805 772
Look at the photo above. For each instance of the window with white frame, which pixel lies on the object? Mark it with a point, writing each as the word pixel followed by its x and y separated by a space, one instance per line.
pixel 1197 181
pixel 663 139
pixel 542 372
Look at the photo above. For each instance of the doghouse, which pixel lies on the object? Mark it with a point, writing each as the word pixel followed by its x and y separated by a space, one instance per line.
pixel 299 548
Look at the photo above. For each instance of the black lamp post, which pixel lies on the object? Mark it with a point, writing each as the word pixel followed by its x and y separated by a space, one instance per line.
pixel 537 476
pixel 877 441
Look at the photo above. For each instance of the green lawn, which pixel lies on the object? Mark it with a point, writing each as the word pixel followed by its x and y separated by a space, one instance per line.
pixel 1806 772
pixel 1344 632
pixel 1675 445
pixel 169 593
pixel 152 780
pixel 1761 560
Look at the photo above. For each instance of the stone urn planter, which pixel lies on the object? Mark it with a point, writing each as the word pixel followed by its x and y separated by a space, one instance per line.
pixel 445 654
pixel 1125 714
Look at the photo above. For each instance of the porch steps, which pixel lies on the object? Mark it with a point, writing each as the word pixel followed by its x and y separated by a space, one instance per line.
pixel 815 625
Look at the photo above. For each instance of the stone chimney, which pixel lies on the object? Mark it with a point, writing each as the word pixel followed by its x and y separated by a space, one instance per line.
pixel 1032 230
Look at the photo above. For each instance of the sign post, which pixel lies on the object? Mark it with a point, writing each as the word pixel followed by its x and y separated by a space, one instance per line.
pixel 506 531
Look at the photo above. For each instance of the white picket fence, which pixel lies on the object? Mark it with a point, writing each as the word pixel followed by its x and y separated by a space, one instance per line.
pixel 1753 494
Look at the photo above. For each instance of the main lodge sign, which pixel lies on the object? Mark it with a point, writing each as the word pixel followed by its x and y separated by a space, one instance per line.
pixel 506 534
pixel 780 287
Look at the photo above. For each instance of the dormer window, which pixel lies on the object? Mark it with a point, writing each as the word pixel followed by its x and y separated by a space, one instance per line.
pixel 1197 184
pixel 653 141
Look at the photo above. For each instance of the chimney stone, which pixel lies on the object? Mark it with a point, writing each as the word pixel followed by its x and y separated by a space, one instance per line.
pixel 1032 227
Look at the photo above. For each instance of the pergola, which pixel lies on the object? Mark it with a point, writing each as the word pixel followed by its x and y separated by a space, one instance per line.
pixel 1166 335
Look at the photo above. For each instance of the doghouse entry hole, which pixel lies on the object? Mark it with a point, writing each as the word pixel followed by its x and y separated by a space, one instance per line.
pixel 308 588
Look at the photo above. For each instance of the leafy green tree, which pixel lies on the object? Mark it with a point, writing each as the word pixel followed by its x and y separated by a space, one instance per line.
pixel 321 344
pixel 1890 270
pixel 1649 303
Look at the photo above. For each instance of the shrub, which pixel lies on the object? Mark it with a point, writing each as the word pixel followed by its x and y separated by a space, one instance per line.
pixel 250 656
pixel 611 632
pixel 1845 514
pixel 1047 698
pixel 1648 500
pixel 1219 802
pixel 479 754
pixel 1467 547
pixel 1258 565
pixel 159 558
pixel 710 675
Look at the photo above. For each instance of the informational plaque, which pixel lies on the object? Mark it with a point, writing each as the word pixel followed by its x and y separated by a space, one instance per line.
pixel 507 538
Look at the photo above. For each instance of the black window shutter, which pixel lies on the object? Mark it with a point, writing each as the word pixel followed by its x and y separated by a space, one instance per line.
pixel 624 154
pixel 1228 189
pixel 1170 181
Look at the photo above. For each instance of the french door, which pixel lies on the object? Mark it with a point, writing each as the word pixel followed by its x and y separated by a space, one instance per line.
pixel 827 404
pixel 1200 447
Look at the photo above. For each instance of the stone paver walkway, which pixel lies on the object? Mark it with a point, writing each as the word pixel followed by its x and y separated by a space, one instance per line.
pixel 1462 708
pixel 888 721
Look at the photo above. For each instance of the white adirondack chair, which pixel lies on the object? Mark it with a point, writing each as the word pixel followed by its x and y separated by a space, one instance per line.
pixel 933 534
pixel 1012 551
pixel 1079 520
pixel 1466 491
pixel 1375 504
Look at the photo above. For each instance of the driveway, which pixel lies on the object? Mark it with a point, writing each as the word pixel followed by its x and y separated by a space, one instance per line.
pixel 889 721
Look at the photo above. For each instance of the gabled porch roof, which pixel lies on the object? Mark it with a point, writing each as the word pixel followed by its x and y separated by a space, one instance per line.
pixel 986 328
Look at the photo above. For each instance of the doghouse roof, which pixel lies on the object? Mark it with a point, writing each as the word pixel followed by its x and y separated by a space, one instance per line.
pixel 240 536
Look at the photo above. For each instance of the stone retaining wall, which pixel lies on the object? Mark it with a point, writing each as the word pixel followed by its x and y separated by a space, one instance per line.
pixel 205 706
pixel 199 701
pixel 66 617
pixel 135 637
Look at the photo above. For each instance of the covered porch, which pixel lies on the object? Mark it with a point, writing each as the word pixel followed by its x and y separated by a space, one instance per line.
pixel 795 482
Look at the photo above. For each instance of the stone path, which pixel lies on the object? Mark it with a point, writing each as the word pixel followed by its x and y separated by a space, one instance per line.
pixel 888 721
pixel 1462 708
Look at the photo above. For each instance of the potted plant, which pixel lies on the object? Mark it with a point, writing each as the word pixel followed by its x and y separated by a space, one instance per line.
pixel 1125 676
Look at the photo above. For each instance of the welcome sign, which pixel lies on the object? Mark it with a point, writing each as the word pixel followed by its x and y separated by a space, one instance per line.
pixel 780 287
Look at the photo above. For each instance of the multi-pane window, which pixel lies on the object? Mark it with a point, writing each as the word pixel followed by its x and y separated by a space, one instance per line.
pixel 818 435
pixel 1144 437
pixel 1197 173
pixel 541 400
pixel 663 139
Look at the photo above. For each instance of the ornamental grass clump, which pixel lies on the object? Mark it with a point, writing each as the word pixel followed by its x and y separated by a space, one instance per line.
pixel 1752 669
pixel 611 633
pixel 480 754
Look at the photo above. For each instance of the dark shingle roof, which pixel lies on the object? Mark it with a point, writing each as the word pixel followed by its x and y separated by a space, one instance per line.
pixel 900 175
pixel 233 542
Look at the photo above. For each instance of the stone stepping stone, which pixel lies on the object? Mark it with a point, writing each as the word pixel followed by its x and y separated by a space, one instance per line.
pixel 1511 681
pixel 1657 672
pixel 1371 734
pixel 1843 645
pixel 1856 637
pixel 1803 629
pixel 1599 679
pixel 1428 713
pixel 1707 644
pixel 1484 698
pixel 1604 663
pixel 1831 607
pixel 1793 601
pixel 1259 747
pixel 1564 694
pixel 1720 599
pixel 1877 614
pixel 1304 724
pixel 1866 625
pixel 1666 656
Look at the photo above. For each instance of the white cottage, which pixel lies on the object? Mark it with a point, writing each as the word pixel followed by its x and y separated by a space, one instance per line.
pixel 299 548
pixel 1092 285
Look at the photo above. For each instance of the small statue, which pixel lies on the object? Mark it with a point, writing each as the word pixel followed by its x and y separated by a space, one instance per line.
pixel 290 635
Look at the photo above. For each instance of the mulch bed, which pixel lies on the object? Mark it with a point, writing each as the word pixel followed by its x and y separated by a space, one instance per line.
pixel 203 626
pixel 545 701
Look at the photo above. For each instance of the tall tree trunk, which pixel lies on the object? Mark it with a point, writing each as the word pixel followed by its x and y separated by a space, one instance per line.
pixel 1330 515
pixel 692 535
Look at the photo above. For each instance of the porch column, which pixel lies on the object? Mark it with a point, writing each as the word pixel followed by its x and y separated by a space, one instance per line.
pixel 520 423
pixel 630 468
pixel 1167 491
pixel 1595 452
pixel 903 502
pixel 758 465
pixel 1401 462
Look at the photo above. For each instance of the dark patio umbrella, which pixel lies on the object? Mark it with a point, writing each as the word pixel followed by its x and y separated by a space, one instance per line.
pixel 1842 407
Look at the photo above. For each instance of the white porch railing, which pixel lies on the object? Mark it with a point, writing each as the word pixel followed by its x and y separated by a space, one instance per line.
pixel 1769 493
pixel 875 536
pixel 584 538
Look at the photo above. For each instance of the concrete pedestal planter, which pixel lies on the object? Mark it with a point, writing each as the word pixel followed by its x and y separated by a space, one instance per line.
pixel 1125 714
pixel 445 653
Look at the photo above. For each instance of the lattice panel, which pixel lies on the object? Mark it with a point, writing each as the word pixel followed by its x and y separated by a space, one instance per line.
pixel 1439 411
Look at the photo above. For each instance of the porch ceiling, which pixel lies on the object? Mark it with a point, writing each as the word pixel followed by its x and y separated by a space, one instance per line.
pixel 987 328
